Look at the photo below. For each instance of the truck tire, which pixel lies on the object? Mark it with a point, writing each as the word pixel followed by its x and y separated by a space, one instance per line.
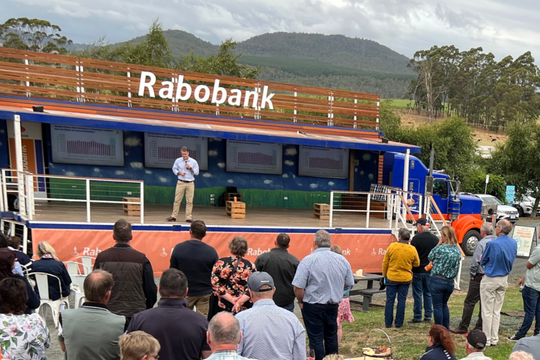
pixel 470 240
pixel 520 211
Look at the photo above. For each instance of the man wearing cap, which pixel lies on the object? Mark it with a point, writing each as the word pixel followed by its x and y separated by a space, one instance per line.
pixel 270 332
pixel 424 241
pixel 475 345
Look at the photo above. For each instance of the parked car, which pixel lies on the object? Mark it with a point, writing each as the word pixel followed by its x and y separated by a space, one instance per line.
pixel 524 205
pixel 507 212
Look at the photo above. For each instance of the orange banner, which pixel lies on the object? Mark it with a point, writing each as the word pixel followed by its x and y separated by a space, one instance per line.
pixel 363 251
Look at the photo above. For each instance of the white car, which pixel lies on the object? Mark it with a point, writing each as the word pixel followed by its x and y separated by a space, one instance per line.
pixel 507 212
pixel 525 206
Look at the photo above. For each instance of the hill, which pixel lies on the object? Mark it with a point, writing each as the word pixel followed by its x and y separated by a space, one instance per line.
pixel 329 61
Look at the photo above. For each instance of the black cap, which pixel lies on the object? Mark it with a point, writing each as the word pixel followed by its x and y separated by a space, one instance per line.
pixel 422 221
pixel 477 339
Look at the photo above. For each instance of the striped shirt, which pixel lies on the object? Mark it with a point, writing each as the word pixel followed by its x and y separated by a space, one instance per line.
pixel 226 355
pixel 270 332
pixel 323 275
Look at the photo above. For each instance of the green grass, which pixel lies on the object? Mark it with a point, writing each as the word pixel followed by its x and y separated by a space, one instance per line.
pixel 410 341
pixel 400 103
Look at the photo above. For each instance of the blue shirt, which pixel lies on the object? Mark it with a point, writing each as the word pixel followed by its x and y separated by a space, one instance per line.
pixel 226 355
pixel 475 267
pixel 271 332
pixel 499 256
pixel 323 275
pixel 180 165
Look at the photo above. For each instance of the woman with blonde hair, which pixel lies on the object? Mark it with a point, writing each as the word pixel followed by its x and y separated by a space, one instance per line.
pixel 229 280
pixel 48 263
pixel 445 258
pixel 138 345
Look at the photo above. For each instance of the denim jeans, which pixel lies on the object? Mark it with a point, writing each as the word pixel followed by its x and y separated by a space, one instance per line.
pixel 420 287
pixel 441 289
pixel 289 307
pixel 531 304
pixel 393 289
pixel 321 326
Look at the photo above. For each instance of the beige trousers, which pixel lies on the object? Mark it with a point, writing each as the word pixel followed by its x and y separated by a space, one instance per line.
pixel 492 290
pixel 201 303
pixel 189 190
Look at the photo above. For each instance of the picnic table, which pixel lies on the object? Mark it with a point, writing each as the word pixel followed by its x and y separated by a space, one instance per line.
pixel 367 292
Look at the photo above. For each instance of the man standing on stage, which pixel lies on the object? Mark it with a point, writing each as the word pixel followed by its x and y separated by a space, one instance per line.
pixel 185 168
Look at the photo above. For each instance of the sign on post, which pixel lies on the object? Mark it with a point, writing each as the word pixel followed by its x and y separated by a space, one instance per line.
pixel 510 193
pixel 524 235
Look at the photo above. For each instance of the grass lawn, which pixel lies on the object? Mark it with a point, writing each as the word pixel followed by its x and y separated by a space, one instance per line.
pixel 410 341
pixel 400 103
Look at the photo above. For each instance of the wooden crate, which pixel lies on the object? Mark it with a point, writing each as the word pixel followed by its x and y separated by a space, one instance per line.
pixel 321 211
pixel 236 210
pixel 130 208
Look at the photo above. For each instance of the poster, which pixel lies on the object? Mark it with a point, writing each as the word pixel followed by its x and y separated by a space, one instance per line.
pixel 32 153
pixel 323 162
pixel 87 146
pixel 524 235
pixel 254 157
pixel 161 150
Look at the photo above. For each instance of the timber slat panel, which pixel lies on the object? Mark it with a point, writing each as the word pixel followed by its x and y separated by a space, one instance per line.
pixel 40 75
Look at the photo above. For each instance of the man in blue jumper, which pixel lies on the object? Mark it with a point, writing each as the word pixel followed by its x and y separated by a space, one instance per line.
pixel 497 260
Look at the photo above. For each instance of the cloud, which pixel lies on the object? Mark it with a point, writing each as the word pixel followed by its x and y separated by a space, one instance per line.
pixel 119 172
pixel 313 186
pixel 69 173
pixel 221 165
pixel 268 182
pixel 97 170
pixel 132 141
pixel 163 179
pixel 291 151
pixel 207 175
pixel 331 183
pixel 230 181
pixel 289 163
pixel 285 176
pixel 149 172
pixel 212 152
pixel 136 165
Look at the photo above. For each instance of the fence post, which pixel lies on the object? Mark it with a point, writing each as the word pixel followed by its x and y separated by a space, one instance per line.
pixel 295 112
pixel 19 162
pixel 87 200
pixel 355 117
pixel 30 196
pixel 129 87
pixel 142 202
pixel 28 94
pixel 368 210
pixel 331 208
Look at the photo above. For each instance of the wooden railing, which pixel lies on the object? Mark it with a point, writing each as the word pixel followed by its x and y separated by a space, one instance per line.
pixel 41 75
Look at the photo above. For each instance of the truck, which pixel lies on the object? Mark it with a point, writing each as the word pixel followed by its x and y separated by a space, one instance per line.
pixel 463 212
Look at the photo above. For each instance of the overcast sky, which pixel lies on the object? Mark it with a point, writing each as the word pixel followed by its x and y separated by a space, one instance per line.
pixel 504 27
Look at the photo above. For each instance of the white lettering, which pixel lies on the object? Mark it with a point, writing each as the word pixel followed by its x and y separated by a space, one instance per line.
pixel 234 100
pixel 182 86
pixel 255 98
pixel 218 91
pixel 382 251
pixel 197 93
pixel 267 99
pixel 91 252
pixel 347 252
pixel 256 252
pixel 143 84
pixel 166 92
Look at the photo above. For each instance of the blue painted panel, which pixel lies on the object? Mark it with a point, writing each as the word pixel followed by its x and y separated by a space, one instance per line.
pixel 4 145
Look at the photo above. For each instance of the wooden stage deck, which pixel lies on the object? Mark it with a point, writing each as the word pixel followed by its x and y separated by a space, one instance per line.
pixel 212 215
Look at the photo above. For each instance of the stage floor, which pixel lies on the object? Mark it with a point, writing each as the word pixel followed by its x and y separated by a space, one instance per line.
pixel 212 215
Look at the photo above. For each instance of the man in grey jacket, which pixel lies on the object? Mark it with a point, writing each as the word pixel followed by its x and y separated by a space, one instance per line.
pixel 477 272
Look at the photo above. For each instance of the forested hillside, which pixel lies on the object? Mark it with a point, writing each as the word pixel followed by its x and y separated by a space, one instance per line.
pixel 330 61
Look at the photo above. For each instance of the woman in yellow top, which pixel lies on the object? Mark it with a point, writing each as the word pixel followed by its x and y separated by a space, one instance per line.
pixel 398 262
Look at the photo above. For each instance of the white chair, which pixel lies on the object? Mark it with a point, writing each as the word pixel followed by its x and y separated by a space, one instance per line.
pixel 42 281
pixel 88 263
pixel 78 272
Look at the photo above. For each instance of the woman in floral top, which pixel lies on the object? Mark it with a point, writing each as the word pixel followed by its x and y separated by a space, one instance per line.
pixel 22 336
pixel 445 258
pixel 229 278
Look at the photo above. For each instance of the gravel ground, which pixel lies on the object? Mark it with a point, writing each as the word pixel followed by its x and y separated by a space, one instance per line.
pixel 55 353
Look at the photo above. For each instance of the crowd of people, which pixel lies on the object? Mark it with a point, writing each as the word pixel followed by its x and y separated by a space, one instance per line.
pixel 231 308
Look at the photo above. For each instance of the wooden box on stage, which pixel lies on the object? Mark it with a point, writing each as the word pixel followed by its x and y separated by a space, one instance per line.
pixel 321 211
pixel 236 210
pixel 130 208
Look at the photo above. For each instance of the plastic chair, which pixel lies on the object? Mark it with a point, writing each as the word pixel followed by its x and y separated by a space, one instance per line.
pixel 88 263
pixel 78 272
pixel 77 268
pixel 42 281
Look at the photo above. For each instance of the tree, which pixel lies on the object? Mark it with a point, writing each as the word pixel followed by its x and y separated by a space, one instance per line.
pixel 518 161
pixel 34 35
pixel 476 184
pixel 225 63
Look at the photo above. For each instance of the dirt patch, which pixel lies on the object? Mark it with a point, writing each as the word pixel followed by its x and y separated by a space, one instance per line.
pixel 484 137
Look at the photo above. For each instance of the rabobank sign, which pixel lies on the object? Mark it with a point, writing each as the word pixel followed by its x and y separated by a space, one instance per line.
pixel 179 90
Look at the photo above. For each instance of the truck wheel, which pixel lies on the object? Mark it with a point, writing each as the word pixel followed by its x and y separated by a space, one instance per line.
pixel 470 240
pixel 520 211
